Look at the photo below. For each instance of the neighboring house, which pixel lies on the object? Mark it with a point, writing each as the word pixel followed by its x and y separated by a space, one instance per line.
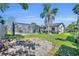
pixel 22 28
pixel 29 29
pixel 58 28
pixel 54 28
pixel 42 29
pixel 25 28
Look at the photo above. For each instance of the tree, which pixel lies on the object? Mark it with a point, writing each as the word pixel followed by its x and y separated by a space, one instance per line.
pixel 25 7
pixel 71 27
pixel 1 20
pixel 76 11
pixel 33 25
pixel 49 15
pixel 4 6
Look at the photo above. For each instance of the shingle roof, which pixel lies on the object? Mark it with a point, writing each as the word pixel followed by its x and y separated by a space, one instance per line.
pixel 56 24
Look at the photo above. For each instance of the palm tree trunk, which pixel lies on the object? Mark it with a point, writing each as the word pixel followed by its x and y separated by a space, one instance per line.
pixel 78 21
pixel 48 29
pixel 13 28
pixel 78 29
pixel 48 25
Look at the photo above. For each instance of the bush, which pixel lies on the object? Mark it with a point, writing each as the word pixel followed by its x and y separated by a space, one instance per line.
pixel 67 51
pixel 71 38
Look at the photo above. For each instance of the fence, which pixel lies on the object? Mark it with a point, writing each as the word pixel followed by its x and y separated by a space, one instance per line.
pixel 2 31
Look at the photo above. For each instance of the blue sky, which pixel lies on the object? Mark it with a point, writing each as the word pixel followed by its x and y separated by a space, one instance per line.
pixel 64 15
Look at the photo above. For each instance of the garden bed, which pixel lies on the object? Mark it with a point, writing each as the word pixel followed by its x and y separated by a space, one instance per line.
pixel 26 47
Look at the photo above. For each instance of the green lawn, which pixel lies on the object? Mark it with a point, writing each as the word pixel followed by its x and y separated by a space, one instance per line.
pixel 63 43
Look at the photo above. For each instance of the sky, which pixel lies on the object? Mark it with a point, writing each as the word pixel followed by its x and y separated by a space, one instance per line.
pixel 16 13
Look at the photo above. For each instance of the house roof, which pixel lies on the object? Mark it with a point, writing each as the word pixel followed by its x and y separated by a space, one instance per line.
pixel 42 26
pixel 22 23
pixel 25 24
pixel 57 24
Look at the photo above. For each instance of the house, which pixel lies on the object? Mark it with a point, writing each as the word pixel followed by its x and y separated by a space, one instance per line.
pixel 54 28
pixel 58 28
pixel 26 28
pixel 29 29
pixel 42 29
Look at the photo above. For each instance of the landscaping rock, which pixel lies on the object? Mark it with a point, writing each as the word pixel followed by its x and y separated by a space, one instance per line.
pixel 30 47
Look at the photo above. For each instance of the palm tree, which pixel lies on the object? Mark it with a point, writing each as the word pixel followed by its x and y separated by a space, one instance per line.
pixel 4 6
pixel 25 7
pixel 1 20
pixel 76 11
pixel 49 15
pixel 33 25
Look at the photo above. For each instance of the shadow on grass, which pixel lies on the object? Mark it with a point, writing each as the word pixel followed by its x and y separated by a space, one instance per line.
pixel 60 39
pixel 18 37
pixel 67 51
pixel 69 38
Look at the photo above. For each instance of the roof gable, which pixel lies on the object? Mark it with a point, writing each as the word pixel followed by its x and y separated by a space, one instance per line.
pixel 57 24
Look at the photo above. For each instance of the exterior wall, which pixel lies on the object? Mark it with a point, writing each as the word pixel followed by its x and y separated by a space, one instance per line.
pixel 9 27
pixel 56 30
pixel 21 28
pixel 25 29
pixel 28 29
pixel 2 31
pixel 61 28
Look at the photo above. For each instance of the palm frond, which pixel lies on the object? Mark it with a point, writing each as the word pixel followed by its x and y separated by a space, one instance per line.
pixel 76 9
pixel 24 5
pixel 3 6
pixel 42 15
pixel 54 11
pixel 47 7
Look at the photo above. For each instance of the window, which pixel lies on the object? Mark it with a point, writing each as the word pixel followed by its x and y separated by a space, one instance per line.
pixel 53 28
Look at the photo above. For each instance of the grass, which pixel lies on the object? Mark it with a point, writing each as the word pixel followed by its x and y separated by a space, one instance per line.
pixel 17 37
pixel 62 43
